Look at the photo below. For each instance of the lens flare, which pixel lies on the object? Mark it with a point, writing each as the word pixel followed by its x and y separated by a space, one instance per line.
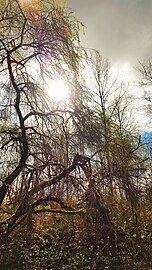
pixel 30 7
pixel 58 90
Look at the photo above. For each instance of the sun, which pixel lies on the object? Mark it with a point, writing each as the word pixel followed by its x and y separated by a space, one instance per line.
pixel 58 90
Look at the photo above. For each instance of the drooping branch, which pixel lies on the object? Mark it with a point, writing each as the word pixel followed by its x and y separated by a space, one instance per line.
pixel 23 145
pixel 74 212
pixel 25 206
pixel 54 180
pixel 43 114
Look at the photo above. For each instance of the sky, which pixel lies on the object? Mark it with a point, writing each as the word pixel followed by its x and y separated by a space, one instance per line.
pixel 121 30
pixel 147 140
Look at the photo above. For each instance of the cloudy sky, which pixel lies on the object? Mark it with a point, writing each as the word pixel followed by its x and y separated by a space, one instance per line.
pixel 120 29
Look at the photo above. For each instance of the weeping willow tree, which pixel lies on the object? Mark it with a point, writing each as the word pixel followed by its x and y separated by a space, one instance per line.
pixel 38 43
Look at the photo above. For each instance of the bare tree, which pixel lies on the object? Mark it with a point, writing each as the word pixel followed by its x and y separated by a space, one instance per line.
pixel 119 161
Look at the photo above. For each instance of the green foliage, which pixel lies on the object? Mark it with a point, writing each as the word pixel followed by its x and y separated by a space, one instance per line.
pixel 79 242
pixel 45 253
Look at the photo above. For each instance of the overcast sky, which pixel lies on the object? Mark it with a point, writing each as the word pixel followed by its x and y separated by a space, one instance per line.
pixel 120 29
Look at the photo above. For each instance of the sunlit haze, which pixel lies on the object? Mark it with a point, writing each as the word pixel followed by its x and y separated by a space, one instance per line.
pixel 58 90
